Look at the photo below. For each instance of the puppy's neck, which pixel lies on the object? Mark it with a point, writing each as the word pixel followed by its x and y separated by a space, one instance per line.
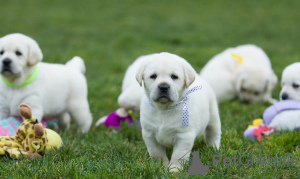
pixel 162 106
pixel 19 79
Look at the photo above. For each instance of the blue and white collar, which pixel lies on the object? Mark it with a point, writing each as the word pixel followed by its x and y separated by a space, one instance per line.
pixel 185 109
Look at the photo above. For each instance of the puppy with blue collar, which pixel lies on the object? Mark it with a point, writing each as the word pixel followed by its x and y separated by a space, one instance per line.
pixel 176 108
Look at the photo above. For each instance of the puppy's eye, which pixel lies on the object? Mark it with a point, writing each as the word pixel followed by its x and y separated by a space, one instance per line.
pixel 174 77
pixel 243 89
pixel 256 93
pixel 2 52
pixel 153 76
pixel 18 53
pixel 295 85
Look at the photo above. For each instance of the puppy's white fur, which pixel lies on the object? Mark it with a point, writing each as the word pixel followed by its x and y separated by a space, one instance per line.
pixel 57 91
pixel 162 127
pixel 250 79
pixel 290 82
pixel 130 98
pixel 131 95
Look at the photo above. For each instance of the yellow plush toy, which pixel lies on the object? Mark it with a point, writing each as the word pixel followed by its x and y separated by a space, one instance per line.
pixel 31 140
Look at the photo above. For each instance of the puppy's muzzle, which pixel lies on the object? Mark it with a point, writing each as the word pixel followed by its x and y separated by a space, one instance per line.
pixel 6 64
pixel 164 92
pixel 284 96
pixel 246 101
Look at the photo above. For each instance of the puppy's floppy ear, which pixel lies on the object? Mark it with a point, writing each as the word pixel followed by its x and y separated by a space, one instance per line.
pixel 271 82
pixel 139 74
pixel 189 75
pixel 240 79
pixel 35 54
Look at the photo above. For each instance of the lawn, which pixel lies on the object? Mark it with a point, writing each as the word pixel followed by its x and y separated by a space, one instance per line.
pixel 110 35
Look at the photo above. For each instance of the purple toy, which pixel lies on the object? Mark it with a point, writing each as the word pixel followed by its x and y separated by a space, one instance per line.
pixel 114 120
pixel 277 108
pixel 268 116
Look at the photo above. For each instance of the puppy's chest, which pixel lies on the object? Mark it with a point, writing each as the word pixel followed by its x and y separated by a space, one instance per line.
pixel 168 128
pixel 11 99
pixel 167 136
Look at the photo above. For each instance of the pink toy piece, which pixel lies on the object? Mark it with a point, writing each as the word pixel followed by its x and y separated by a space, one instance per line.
pixel 10 125
pixel 114 120
pixel 261 131
pixel 5 132
pixel 277 108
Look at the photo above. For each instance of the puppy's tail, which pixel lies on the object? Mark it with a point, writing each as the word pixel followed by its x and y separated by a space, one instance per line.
pixel 77 63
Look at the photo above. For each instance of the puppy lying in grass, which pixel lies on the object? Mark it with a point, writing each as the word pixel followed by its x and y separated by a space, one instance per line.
pixel 290 82
pixel 177 106
pixel 244 72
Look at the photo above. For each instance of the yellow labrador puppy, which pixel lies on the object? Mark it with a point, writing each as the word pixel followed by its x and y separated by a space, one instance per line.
pixel 290 82
pixel 51 90
pixel 244 72
pixel 177 106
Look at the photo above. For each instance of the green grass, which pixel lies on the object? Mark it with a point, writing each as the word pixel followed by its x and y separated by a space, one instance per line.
pixel 110 35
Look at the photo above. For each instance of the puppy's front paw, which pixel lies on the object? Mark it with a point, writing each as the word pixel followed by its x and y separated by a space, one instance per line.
pixel 175 168
pixel 272 100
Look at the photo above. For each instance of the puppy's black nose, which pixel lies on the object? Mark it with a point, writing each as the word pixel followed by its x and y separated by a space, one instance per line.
pixel 6 61
pixel 164 88
pixel 284 96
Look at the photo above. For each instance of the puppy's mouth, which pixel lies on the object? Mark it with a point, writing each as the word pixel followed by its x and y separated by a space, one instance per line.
pixel 163 99
pixel 6 70
pixel 246 101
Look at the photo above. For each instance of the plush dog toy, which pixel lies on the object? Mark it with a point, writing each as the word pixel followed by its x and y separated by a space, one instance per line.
pixel 31 140
pixel 263 127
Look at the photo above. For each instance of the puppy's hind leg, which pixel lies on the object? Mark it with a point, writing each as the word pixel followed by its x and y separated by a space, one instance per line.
pixel 213 132
pixel 130 99
pixel 64 120
pixel 80 113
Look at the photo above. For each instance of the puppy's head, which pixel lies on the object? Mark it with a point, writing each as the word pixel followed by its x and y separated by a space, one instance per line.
pixel 254 83
pixel 18 53
pixel 166 77
pixel 290 82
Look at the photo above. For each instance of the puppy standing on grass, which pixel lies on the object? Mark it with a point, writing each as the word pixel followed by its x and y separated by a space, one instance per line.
pixel 51 90
pixel 177 107
pixel 244 72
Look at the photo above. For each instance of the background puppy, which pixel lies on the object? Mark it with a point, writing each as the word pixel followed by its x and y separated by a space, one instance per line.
pixel 51 90
pixel 167 80
pixel 244 72
pixel 290 81
pixel 131 95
